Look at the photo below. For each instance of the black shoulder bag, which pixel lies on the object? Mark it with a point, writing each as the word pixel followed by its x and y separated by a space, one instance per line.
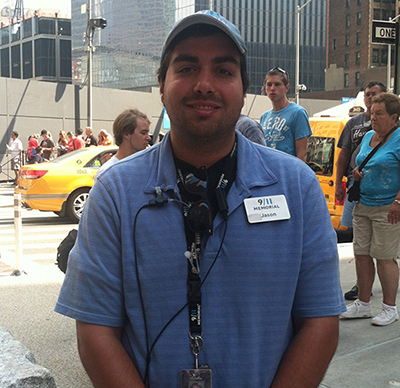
pixel 353 193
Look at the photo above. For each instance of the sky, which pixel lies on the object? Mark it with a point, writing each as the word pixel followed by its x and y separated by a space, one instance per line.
pixel 63 5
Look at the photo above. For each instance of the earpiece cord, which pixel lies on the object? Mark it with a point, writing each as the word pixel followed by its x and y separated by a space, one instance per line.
pixel 149 350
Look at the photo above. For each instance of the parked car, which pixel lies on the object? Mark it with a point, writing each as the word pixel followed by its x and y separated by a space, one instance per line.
pixel 62 185
pixel 322 154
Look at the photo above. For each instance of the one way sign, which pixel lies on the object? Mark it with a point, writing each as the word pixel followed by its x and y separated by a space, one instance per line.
pixel 384 32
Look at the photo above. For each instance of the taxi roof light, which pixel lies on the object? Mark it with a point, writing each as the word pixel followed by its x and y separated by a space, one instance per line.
pixel 33 174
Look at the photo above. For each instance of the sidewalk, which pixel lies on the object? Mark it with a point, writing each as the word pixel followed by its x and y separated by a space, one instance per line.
pixel 367 356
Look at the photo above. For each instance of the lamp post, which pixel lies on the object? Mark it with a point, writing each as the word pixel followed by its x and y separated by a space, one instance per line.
pixel 89 37
pixel 298 86
pixel 389 58
pixel 92 24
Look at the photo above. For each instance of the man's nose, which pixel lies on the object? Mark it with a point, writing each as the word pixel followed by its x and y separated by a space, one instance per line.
pixel 205 82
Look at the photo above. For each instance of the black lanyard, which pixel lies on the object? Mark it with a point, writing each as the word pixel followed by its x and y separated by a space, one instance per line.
pixel 194 240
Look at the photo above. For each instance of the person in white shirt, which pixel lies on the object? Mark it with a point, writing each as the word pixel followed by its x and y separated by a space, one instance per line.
pixel 131 133
pixel 15 148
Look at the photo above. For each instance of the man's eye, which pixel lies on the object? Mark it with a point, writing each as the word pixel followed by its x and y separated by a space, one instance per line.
pixel 225 72
pixel 185 70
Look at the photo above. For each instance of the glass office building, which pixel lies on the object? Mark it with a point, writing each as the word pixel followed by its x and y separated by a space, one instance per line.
pixel 128 50
pixel 37 47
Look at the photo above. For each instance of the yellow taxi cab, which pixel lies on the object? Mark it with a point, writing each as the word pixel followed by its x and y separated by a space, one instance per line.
pixel 62 185
pixel 322 154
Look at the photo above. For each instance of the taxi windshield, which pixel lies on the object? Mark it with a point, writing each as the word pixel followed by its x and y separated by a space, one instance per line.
pixel 320 154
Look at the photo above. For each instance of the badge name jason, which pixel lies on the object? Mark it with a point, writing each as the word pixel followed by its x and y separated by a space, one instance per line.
pixel 264 209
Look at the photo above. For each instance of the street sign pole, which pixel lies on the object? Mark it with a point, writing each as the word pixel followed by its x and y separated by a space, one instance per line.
pixel 396 84
pixel 384 32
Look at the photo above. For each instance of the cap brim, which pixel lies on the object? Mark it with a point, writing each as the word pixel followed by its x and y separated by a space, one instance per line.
pixel 202 18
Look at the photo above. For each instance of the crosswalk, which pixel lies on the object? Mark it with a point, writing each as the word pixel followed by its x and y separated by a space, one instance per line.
pixel 41 235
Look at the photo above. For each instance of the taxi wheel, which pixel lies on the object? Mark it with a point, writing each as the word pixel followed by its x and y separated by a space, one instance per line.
pixel 76 203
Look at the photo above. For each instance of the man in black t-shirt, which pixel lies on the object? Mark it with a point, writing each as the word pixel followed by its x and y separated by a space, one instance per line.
pixel 90 138
pixel 47 144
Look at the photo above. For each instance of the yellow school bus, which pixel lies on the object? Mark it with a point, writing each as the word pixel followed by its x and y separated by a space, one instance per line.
pixel 322 154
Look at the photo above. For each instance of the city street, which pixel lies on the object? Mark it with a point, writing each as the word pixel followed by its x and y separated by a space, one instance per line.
pixel 27 301
pixel 367 356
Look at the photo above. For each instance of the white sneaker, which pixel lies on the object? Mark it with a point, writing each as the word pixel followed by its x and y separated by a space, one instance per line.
pixel 357 310
pixel 385 317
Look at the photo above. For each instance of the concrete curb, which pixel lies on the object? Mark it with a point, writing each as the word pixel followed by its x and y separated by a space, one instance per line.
pixel 18 368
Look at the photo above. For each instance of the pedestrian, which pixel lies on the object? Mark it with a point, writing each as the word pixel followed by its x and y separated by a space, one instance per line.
pixel 47 144
pixel 105 138
pixel 90 138
pixel 70 144
pixel 376 215
pixel 38 158
pixel 349 144
pixel 15 149
pixel 286 126
pixel 62 144
pixel 251 129
pixel 131 133
pixel 78 142
pixel 182 257
pixel 31 151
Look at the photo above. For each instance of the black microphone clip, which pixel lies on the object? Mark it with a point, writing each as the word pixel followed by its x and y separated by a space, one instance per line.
pixel 160 200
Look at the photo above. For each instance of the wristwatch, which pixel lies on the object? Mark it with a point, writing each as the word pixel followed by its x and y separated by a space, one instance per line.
pixel 397 201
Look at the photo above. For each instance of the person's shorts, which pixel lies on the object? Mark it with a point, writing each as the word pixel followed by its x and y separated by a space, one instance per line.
pixel 373 234
pixel 16 163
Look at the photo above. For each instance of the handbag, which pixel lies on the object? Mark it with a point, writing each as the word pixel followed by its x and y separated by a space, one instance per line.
pixel 353 193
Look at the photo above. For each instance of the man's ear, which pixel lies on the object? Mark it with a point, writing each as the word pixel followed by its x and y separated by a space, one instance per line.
pixel 287 88
pixel 161 91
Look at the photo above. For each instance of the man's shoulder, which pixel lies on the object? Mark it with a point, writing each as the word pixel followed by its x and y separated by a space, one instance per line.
pixel 357 120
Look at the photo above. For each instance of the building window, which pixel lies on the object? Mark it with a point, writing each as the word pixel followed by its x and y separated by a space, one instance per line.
pixel 346 60
pixel 64 27
pixel 16 61
pixel 358 18
pixel 384 56
pixel 347 42
pixel 358 57
pixel 377 14
pixel 358 2
pixel 5 35
pixel 347 20
pixel 45 26
pixel 27 65
pixel 346 80
pixel 334 44
pixel 357 78
pixel 375 56
pixel 27 30
pixel 386 14
pixel 5 62
pixel 348 3
pixel 45 57
pixel 358 38
pixel 65 58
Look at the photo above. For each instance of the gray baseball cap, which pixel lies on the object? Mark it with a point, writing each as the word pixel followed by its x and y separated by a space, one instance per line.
pixel 206 17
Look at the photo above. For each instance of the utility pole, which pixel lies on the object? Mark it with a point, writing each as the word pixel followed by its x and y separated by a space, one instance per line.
pixel 89 40
pixel 298 52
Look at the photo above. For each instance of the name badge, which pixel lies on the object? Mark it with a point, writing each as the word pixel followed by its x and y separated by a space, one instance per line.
pixel 265 209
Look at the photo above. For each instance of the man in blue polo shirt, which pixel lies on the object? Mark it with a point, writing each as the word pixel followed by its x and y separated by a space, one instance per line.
pixel 182 273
